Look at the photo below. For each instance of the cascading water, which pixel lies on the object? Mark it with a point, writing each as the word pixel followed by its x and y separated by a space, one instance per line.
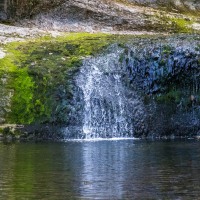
pixel 109 107
pixel 141 89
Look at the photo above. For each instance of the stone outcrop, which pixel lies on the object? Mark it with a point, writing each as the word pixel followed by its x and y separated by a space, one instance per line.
pixel 175 5
pixel 162 73
pixel 37 78
pixel 3 10
pixel 166 72
pixel 105 15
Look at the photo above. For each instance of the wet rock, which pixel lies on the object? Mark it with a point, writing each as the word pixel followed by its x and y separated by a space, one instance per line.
pixel 155 98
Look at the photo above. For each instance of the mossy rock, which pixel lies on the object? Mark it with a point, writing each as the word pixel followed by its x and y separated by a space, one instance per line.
pixel 38 68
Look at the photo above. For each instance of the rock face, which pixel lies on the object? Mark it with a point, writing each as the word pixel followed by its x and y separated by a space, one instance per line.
pixel 3 10
pixel 27 7
pixel 106 15
pixel 157 90
pixel 5 100
pixel 78 87
pixel 166 72
pixel 180 5
pixel 142 87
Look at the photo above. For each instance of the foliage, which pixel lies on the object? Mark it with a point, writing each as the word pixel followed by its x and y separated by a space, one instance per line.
pixel 181 25
pixel 38 68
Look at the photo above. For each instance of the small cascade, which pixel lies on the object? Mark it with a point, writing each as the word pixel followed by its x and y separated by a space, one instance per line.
pixel 109 107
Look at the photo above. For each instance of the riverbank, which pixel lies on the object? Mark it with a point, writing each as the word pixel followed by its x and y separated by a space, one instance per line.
pixel 50 133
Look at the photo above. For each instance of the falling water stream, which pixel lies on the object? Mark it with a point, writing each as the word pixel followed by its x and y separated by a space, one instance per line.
pixel 109 107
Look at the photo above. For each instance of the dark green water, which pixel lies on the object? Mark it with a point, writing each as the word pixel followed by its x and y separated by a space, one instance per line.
pixel 129 169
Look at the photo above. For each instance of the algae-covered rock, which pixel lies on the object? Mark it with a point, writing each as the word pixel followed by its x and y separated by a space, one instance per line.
pixel 40 88
pixel 37 77
pixel 40 95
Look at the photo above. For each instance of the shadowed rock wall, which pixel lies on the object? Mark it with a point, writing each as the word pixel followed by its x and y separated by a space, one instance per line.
pixel 3 9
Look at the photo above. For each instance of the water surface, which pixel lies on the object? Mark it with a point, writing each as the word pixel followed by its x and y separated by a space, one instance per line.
pixel 120 169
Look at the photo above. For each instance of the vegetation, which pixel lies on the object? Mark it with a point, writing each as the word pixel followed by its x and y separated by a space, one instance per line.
pixel 39 69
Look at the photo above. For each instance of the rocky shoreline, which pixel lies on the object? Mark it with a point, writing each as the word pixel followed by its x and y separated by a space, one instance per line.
pixel 31 133
pixel 50 134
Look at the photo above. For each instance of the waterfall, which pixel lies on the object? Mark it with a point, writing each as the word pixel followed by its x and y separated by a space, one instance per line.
pixel 142 88
pixel 110 109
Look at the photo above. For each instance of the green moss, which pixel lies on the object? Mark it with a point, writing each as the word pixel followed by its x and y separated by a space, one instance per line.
pixel 171 96
pixel 197 48
pixel 22 106
pixel 38 68
pixel 167 50
pixel 175 24
pixel 121 58
pixel 181 25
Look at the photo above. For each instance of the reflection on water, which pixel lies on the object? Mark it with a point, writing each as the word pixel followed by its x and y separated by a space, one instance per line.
pixel 127 169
